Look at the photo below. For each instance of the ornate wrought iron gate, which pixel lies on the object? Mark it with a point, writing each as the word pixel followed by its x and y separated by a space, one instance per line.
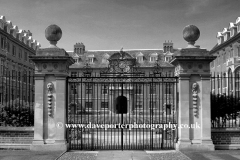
pixel 122 110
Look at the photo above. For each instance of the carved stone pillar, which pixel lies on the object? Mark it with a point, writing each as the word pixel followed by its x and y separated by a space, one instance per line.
pixel 51 70
pixel 192 67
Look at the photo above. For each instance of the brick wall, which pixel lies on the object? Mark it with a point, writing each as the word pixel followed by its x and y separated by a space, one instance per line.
pixel 17 137
pixel 226 138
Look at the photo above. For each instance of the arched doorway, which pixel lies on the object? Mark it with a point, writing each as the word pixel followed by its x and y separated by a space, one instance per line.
pixel 121 105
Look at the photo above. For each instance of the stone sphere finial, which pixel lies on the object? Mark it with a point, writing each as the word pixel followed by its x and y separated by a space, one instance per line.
pixel 53 33
pixel 191 34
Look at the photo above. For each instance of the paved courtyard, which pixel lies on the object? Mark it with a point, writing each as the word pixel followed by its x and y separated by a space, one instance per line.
pixel 152 155
pixel 121 155
pixel 28 155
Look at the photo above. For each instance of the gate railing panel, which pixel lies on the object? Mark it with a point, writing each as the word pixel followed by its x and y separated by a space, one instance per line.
pixel 225 101
pixel 16 101
pixel 96 122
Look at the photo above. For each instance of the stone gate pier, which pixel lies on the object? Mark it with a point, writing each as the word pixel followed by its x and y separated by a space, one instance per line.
pixel 51 70
pixel 192 66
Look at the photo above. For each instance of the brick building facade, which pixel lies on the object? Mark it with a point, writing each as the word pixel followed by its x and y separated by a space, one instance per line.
pixel 16 45
pixel 146 59
pixel 227 63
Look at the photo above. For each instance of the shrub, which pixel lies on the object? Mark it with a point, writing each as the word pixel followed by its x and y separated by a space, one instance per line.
pixel 17 113
pixel 224 108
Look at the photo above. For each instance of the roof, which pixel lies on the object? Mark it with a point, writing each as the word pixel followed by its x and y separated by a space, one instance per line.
pixel 99 55
pixel 214 47
pixel 225 43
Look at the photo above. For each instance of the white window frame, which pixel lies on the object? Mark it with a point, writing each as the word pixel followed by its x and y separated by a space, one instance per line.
pixel 90 59
pixel 153 58
pixel 140 59
pixel 167 58
pixel 232 32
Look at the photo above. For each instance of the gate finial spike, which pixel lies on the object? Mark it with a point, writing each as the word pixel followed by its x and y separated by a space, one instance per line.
pixel 121 53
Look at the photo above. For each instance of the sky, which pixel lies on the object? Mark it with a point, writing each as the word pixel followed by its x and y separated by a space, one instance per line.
pixel 113 24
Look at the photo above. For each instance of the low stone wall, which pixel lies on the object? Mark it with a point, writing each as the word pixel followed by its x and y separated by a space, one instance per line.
pixel 16 137
pixel 226 138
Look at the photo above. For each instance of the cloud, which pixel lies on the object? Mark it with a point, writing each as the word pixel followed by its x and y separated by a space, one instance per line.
pixel 196 6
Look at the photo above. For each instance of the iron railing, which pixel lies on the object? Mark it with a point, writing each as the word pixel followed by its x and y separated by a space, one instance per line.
pixel 17 101
pixel 95 100
pixel 225 102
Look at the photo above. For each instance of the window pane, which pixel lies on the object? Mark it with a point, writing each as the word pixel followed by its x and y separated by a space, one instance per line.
pixel 152 104
pixel 153 89
pixel 104 105
pixel 88 104
pixel 104 89
pixel 139 89
pixel 88 88
pixel 25 56
pixel 73 74
pixel 139 104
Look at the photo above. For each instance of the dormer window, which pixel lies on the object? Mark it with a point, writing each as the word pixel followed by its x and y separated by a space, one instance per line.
pixel 220 38
pixel 238 24
pixel 226 34
pixel 90 58
pixel 20 35
pixel 232 29
pixel 167 59
pixel 153 57
pixel 7 29
pixel 105 58
pixel 140 57
pixel 225 37
pixel 24 39
pixel 14 34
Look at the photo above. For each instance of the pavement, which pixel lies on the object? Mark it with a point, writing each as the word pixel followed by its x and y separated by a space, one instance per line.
pixel 28 155
pixel 121 155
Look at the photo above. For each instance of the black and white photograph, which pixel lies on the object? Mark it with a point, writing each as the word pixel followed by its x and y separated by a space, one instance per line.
pixel 119 80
